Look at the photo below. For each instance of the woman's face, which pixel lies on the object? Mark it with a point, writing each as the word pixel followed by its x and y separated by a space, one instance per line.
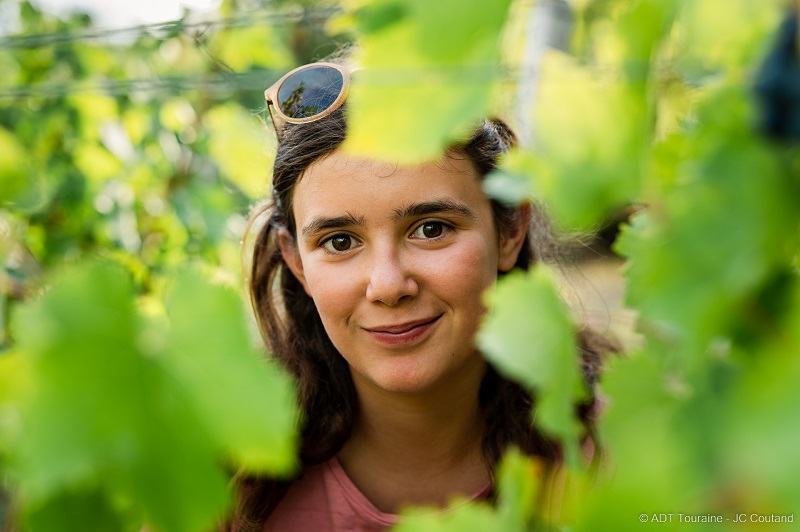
pixel 396 259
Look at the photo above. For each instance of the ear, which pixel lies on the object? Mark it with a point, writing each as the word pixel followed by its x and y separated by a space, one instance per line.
pixel 291 256
pixel 511 240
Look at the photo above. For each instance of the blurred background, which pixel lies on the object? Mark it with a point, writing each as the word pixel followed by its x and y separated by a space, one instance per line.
pixel 137 130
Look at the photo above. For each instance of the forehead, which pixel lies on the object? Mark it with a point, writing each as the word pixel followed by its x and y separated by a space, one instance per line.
pixel 345 183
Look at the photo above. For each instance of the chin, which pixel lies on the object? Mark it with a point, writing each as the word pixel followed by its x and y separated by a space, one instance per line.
pixel 416 380
pixel 404 383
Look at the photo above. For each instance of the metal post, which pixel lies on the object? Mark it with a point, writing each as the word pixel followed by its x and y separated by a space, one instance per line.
pixel 549 27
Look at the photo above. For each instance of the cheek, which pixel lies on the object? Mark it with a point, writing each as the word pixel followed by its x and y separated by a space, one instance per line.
pixel 334 291
pixel 463 273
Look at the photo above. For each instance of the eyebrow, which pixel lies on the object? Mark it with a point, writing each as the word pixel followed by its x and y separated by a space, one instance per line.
pixel 438 206
pixel 322 223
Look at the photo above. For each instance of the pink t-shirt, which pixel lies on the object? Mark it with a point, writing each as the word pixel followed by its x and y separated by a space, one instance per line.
pixel 324 499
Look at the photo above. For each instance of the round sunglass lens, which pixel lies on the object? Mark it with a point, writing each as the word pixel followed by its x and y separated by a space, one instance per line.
pixel 310 92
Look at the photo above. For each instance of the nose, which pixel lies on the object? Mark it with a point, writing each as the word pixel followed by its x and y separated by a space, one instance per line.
pixel 390 278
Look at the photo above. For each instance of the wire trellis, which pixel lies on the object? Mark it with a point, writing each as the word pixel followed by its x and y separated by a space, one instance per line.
pixel 212 84
pixel 167 29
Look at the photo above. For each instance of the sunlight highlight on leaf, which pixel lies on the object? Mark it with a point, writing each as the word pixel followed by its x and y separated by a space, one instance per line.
pixel 428 72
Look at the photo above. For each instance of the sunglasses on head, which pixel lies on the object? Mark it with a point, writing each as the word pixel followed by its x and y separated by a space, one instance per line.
pixel 308 93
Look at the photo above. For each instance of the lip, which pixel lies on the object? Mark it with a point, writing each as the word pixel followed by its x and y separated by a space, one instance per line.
pixel 402 333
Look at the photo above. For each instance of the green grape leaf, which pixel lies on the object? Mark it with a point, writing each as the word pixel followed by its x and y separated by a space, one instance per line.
pixel 99 412
pixel 761 438
pixel 138 412
pixel 632 39
pixel 530 338
pixel 517 485
pixel 694 268
pixel 726 36
pixel 374 17
pixel 89 510
pixel 506 187
pixel 427 77
pixel 466 517
pixel 591 136
pixel 639 423
pixel 249 402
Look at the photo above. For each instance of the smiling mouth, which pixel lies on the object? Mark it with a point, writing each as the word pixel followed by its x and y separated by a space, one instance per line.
pixel 403 334
pixel 402 327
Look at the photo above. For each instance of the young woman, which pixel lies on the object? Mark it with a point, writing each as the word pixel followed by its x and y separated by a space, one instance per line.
pixel 367 283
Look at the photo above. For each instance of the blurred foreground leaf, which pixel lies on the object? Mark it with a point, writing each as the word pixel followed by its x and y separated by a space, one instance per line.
pixel 428 73
pixel 762 434
pixel 529 337
pixel 128 419
pixel 696 272
pixel 726 36
pixel 248 403
pixel 650 472
pixel 591 140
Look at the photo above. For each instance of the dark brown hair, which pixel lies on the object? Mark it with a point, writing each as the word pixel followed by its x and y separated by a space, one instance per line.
pixel 294 334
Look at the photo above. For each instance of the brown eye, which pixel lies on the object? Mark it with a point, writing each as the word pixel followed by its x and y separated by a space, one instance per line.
pixel 339 243
pixel 430 230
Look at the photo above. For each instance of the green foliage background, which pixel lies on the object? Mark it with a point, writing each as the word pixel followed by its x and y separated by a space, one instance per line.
pixel 130 384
